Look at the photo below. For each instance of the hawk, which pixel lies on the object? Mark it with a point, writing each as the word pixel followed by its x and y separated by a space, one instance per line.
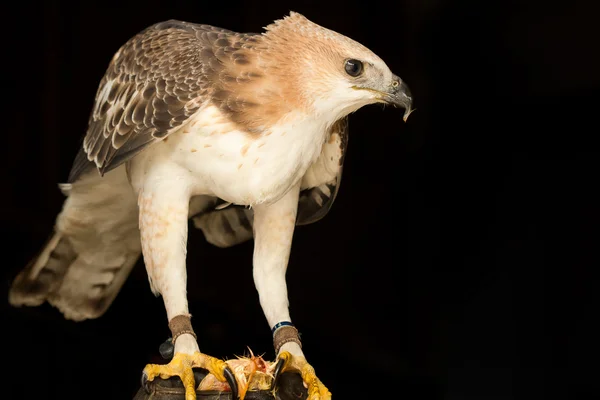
pixel 243 132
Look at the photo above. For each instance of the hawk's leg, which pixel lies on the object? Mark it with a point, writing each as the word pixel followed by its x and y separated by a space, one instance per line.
pixel 273 230
pixel 163 226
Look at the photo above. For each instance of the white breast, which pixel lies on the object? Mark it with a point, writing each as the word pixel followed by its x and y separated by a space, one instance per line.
pixel 214 158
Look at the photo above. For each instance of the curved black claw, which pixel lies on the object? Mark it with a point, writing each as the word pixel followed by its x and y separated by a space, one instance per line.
pixel 167 349
pixel 232 382
pixel 145 383
pixel 277 374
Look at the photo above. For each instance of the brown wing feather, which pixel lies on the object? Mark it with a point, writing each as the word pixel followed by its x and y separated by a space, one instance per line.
pixel 154 83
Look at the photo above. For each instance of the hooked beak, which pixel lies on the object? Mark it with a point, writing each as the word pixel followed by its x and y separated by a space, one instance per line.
pixel 399 95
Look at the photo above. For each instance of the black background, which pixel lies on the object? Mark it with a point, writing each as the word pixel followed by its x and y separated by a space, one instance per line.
pixel 458 262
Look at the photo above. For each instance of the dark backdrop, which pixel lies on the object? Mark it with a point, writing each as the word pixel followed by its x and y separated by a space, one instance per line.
pixel 459 260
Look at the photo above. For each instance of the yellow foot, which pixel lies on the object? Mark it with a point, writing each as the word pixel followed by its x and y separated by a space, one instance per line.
pixel 316 389
pixel 181 365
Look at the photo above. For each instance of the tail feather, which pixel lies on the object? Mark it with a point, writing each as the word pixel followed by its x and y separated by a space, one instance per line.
pixel 43 275
pixel 89 256
pixel 87 291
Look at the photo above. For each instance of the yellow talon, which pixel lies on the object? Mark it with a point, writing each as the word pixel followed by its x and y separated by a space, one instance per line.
pixel 214 365
pixel 316 389
pixel 181 365
pixel 286 356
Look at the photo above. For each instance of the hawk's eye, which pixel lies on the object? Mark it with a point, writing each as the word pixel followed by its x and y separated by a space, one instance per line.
pixel 353 67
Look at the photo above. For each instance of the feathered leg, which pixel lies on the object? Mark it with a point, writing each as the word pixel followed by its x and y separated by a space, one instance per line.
pixel 273 230
pixel 163 226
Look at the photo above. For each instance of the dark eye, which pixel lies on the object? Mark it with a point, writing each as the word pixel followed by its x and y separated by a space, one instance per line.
pixel 353 67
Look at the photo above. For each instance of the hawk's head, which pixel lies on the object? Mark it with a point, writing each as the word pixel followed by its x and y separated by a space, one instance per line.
pixel 299 66
pixel 329 72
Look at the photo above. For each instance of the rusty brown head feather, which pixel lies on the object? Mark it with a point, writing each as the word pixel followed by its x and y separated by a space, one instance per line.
pixel 299 66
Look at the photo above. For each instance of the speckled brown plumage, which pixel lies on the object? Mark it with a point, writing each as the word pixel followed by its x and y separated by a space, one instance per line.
pixel 155 82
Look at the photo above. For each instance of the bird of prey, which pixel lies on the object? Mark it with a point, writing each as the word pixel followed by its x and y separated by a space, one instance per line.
pixel 243 132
